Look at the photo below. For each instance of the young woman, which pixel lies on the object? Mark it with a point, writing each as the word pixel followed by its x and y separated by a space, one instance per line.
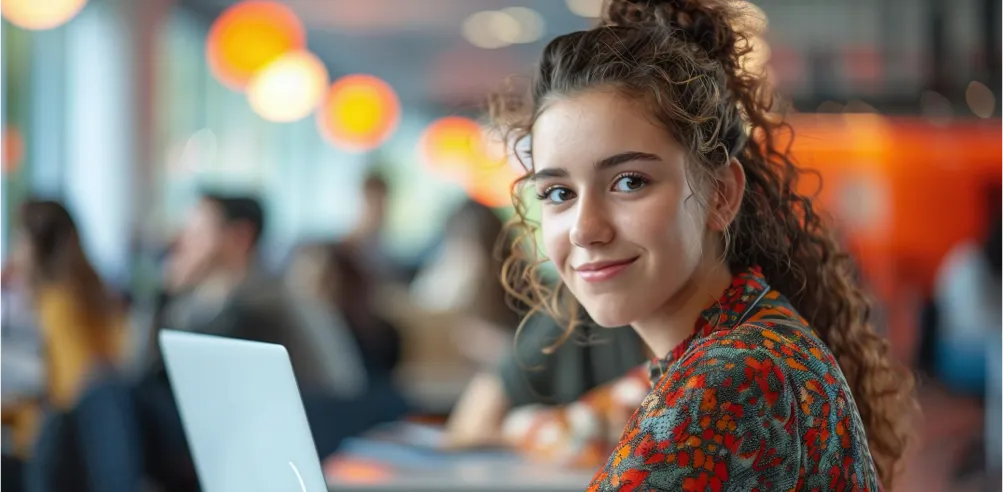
pixel 670 205
pixel 88 439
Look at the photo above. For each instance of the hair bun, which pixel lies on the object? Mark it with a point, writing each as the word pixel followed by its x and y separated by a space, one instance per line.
pixel 706 23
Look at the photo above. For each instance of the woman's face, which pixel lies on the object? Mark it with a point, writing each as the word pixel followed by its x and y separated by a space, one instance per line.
pixel 621 221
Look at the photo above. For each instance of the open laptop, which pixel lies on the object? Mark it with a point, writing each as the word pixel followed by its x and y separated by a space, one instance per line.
pixel 242 413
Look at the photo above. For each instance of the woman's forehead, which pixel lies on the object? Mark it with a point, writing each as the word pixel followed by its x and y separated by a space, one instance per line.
pixel 591 126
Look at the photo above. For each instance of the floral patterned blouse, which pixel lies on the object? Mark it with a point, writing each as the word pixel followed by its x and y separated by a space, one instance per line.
pixel 753 400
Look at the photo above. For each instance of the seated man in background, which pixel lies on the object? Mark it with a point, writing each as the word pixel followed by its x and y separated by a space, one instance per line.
pixel 219 288
pixel 223 290
pixel 533 379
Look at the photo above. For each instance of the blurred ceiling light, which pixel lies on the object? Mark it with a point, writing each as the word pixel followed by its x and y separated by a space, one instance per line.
pixel 289 88
pixel 980 99
pixel 492 186
pixel 585 8
pixel 461 151
pixel 450 145
pixel 359 113
pixel 531 24
pixel 936 107
pixel 248 36
pixel 490 29
pixel 40 14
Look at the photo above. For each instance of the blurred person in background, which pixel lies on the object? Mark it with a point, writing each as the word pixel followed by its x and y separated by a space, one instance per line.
pixel 462 278
pixel 219 287
pixel 967 296
pixel 350 288
pixel 659 211
pixel 331 279
pixel 580 434
pixel 22 378
pixel 542 383
pixel 88 438
pixel 368 236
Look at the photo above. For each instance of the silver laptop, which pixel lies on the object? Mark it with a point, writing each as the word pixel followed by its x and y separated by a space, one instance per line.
pixel 242 413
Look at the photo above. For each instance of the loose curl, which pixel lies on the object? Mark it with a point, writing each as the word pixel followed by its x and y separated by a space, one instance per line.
pixel 683 60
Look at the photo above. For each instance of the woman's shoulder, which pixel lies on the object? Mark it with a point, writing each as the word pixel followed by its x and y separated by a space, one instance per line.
pixel 780 345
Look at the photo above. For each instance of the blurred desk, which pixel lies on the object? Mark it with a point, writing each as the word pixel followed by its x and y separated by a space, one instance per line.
pixel 374 465
pixel 485 479
pixel 433 390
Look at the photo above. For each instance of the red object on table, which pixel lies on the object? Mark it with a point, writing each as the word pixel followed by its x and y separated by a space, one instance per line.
pixel 356 470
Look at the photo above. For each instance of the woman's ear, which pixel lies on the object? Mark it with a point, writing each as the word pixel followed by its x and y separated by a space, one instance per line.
pixel 729 190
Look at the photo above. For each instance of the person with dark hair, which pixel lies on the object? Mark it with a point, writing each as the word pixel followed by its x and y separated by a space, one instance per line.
pixel 219 287
pixel 462 279
pixel 350 289
pixel 222 289
pixel 88 438
pixel 333 285
pixel 669 204
pixel 367 238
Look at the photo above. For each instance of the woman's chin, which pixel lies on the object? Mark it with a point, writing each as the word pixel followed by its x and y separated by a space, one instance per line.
pixel 609 316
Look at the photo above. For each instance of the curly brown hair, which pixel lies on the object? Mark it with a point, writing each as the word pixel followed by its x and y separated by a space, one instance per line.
pixel 684 60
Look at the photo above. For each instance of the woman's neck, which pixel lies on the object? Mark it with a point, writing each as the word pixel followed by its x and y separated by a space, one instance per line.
pixel 673 322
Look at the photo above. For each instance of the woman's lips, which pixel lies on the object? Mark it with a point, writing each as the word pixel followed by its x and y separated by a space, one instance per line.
pixel 600 271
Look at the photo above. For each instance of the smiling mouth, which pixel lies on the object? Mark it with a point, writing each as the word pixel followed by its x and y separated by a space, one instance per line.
pixel 605 270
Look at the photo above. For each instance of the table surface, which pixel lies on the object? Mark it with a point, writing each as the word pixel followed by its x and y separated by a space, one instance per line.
pixel 408 461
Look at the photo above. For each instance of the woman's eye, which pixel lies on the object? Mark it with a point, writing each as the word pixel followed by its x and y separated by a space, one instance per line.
pixel 629 184
pixel 557 195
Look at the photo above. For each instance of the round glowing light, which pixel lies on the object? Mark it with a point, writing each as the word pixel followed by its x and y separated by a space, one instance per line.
pixel 248 36
pixel 585 8
pixel 531 25
pixel 459 150
pixel 360 113
pixel 450 146
pixel 980 99
pixel 491 185
pixel 39 15
pixel 289 88
pixel 491 29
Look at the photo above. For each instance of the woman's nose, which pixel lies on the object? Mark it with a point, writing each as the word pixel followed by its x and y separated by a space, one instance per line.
pixel 592 226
